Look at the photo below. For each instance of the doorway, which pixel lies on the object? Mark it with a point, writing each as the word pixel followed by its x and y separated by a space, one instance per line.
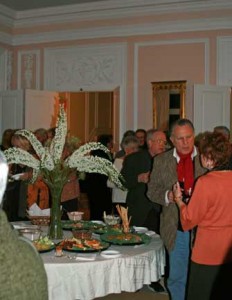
pixel 88 113
pixel 92 113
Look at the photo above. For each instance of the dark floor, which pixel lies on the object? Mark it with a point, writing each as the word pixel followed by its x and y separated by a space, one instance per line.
pixel 143 294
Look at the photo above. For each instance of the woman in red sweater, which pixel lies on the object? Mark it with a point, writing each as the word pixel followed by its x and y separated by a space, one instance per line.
pixel 210 209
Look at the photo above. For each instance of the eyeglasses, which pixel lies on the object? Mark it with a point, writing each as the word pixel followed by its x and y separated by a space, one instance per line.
pixel 160 141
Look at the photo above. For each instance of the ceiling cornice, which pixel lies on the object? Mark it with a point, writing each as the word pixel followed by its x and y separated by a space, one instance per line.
pixel 125 31
pixel 110 9
pixel 7 16
pixel 6 38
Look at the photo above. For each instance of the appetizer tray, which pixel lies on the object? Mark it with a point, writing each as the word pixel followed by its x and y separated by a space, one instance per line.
pixel 111 229
pixel 89 225
pixel 86 245
pixel 125 238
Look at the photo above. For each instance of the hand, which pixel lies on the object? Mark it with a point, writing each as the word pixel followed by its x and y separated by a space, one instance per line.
pixel 144 177
pixel 170 196
pixel 177 190
pixel 177 193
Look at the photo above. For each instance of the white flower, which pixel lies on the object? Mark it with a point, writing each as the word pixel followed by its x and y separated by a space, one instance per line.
pixel 19 156
pixel 49 160
pixel 39 149
pixel 57 144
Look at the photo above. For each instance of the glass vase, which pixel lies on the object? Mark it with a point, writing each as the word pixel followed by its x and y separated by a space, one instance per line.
pixel 55 230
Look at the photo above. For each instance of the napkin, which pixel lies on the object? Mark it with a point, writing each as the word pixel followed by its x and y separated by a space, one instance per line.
pixel 35 210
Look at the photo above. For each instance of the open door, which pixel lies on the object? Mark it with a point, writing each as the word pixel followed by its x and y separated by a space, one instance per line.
pixel 211 107
pixel 11 110
pixel 30 109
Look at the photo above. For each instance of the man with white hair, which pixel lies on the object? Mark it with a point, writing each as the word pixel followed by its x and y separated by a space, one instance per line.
pixel 22 271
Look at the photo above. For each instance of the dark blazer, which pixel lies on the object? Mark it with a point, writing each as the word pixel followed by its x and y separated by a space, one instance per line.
pixel 138 204
pixel 163 176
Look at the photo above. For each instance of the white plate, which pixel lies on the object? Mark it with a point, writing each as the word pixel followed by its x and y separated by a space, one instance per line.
pixel 140 229
pixel 97 222
pixel 17 176
pixel 110 254
pixel 24 226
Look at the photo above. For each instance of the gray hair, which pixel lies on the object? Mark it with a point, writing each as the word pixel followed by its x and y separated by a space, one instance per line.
pixel 181 122
pixel 223 130
pixel 129 141
pixel 150 133
pixel 3 175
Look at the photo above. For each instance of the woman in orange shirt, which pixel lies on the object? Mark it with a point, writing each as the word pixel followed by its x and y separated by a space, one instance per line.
pixel 210 208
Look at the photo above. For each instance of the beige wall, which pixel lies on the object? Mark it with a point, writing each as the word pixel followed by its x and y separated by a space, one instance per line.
pixel 162 56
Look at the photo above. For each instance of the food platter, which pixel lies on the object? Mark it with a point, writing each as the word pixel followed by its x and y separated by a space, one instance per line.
pixel 125 238
pixel 78 245
pixel 89 225
pixel 44 245
pixel 111 229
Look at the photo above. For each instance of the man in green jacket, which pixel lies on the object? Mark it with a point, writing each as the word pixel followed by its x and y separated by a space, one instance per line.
pixel 23 276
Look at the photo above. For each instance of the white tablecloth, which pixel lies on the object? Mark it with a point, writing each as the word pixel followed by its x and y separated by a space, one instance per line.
pixel 71 279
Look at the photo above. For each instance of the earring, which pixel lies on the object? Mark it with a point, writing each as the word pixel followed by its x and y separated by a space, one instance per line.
pixel 209 166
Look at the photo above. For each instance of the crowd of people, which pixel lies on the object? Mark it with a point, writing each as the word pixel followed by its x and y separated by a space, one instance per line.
pixel 177 185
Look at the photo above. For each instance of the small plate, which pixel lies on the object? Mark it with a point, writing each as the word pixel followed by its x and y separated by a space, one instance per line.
pixel 140 229
pixel 98 222
pixel 110 254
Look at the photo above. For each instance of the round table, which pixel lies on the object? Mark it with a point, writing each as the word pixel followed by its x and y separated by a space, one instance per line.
pixel 88 276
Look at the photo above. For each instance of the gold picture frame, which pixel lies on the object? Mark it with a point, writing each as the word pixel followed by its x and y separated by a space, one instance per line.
pixel 161 92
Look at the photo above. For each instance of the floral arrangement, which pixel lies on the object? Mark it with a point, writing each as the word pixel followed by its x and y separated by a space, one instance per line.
pixel 55 169
pixel 49 162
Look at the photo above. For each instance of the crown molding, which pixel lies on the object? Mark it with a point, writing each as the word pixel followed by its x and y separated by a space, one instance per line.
pixel 129 30
pixel 110 9
pixel 7 16
pixel 6 38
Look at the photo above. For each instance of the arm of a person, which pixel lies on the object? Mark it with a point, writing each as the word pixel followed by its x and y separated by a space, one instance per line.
pixel 158 186
pixel 129 172
pixel 193 213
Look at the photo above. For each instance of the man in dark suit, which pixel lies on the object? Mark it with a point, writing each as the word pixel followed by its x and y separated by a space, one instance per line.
pixel 136 171
pixel 179 164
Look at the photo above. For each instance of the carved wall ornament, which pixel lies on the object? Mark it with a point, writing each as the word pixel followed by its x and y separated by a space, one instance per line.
pixel 9 70
pixel 28 69
pixel 84 67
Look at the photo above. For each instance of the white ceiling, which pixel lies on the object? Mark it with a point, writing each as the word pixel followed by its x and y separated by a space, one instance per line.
pixel 20 5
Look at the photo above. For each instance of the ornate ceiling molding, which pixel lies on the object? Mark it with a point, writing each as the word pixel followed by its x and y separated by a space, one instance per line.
pixel 125 31
pixel 110 9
